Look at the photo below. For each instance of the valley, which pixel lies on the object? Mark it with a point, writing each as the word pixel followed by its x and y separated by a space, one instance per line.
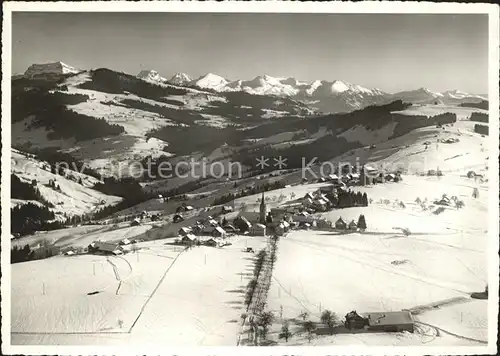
pixel 105 250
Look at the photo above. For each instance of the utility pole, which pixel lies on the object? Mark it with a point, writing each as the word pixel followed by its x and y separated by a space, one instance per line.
pixel 93 268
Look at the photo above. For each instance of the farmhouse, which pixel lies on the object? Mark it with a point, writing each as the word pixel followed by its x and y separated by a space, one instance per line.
pixel 184 208
pixel 189 239
pixel 380 321
pixel 219 232
pixel 183 231
pixel 105 248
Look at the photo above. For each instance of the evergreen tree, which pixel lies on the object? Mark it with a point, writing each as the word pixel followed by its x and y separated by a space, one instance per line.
pixel 365 199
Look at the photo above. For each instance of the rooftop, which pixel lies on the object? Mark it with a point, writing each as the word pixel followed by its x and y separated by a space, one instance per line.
pixel 388 318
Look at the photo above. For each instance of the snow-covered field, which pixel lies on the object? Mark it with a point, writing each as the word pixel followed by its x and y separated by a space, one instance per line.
pixel 433 110
pixel 382 270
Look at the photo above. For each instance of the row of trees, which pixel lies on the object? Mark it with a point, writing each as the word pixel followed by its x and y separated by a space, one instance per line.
pixel 347 199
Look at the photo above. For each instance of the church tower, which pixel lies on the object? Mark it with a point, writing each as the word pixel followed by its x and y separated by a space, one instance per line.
pixel 263 210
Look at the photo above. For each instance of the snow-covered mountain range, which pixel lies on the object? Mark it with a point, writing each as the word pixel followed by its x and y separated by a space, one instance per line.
pixel 323 95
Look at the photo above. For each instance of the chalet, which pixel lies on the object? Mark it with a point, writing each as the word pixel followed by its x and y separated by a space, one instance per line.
pixel 212 242
pixel 106 248
pixel 135 222
pixel 219 232
pixel 183 231
pixel 352 225
pixel 178 218
pixel 189 239
pixel 340 224
pixel 242 223
pixel 390 321
pixel 355 321
pixel 258 230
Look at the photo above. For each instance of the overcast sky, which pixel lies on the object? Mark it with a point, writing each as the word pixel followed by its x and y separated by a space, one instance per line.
pixel 390 51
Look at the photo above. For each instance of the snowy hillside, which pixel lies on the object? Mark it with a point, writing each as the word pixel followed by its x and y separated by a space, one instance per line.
pixel 75 195
pixel 108 119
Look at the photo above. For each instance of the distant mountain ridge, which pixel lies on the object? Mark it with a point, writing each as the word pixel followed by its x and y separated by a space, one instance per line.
pixel 322 95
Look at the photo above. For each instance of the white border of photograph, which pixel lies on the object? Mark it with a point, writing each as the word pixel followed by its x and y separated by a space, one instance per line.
pixel 261 7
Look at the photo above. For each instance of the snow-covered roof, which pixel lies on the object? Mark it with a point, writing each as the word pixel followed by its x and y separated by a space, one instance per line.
pixel 261 226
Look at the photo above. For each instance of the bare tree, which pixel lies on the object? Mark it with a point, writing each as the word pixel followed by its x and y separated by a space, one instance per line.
pixel 309 328
pixel 330 319
pixel 285 331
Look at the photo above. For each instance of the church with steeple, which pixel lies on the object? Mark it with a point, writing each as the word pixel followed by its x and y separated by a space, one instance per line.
pixel 263 210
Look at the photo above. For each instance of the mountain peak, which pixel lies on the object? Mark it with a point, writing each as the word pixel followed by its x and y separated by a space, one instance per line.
pixel 50 68
pixel 180 79
pixel 210 81
pixel 150 75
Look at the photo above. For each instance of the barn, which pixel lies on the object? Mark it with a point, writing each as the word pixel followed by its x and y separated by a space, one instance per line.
pixel 397 321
